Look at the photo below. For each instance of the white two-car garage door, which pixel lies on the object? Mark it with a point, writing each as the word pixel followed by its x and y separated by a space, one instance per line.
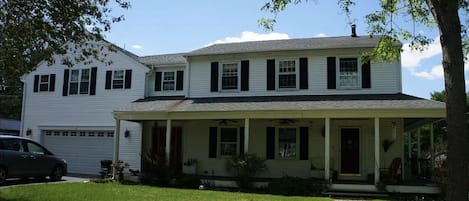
pixel 83 150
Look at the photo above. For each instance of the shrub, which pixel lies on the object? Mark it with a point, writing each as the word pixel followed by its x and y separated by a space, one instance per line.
pixel 244 167
pixel 188 181
pixel 158 171
pixel 296 186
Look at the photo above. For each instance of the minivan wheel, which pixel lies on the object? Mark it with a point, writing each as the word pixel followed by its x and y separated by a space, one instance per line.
pixel 57 174
pixel 3 176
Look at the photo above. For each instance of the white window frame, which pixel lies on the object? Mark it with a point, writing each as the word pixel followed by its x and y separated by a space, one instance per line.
pixel 79 81
pixel 278 73
pixel 277 143
pixel 163 81
pixel 219 149
pixel 113 79
pixel 220 76
pixel 359 73
pixel 44 83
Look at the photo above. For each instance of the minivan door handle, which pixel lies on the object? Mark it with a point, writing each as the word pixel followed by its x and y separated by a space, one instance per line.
pixel 24 156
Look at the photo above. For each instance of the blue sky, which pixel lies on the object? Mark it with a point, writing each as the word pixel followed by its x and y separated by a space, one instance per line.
pixel 162 27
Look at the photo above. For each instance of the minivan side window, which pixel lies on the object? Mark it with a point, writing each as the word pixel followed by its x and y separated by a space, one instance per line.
pixel 34 148
pixel 13 145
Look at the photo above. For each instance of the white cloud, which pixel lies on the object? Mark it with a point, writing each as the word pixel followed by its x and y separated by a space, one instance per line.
pixel 137 47
pixel 412 59
pixel 251 36
pixel 435 73
pixel 320 35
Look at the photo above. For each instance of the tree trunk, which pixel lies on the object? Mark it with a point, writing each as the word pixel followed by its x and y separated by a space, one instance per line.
pixel 445 13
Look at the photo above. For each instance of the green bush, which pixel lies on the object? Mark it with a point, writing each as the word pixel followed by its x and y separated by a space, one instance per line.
pixel 296 186
pixel 244 167
pixel 158 171
pixel 188 181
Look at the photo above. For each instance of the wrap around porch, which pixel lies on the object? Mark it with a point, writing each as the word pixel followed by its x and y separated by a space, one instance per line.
pixel 351 148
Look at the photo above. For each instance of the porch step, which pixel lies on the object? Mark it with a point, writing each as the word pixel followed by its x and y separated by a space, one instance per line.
pixel 355 194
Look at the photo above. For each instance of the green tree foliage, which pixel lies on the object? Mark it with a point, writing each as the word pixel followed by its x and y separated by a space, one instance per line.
pixel 451 19
pixel 33 31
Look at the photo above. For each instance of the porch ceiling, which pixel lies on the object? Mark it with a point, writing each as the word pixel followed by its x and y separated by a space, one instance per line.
pixel 333 106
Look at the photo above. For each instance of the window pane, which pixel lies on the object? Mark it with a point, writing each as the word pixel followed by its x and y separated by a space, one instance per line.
pixel 84 86
pixel 227 149
pixel 74 76
pixel 230 76
pixel 44 87
pixel 287 142
pixel 348 72
pixel 33 148
pixel 118 84
pixel 85 74
pixel 118 75
pixel 228 134
pixel 168 76
pixel 287 81
pixel 74 88
pixel 168 86
pixel 13 145
pixel 44 78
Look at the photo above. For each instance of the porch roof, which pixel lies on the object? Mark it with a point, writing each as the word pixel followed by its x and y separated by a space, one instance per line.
pixel 310 106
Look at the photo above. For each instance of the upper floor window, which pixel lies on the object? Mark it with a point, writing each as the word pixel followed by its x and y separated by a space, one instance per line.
pixel 79 81
pixel 44 82
pixel 229 76
pixel 348 73
pixel 228 141
pixel 287 74
pixel 169 81
pixel 287 146
pixel 118 79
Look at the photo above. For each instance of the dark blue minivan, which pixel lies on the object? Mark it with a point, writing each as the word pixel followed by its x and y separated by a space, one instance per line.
pixel 22 158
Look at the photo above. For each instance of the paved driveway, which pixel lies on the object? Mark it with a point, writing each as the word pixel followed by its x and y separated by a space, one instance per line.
pixel 23 182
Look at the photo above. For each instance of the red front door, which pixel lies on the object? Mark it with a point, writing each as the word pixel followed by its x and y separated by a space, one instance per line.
pixel 175 154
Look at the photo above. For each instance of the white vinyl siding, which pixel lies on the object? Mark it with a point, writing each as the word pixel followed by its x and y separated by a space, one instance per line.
pixel 386 77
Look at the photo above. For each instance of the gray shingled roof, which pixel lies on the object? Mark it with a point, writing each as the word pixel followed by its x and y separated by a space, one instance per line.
pixel 324 102
pixel 165 59
pixel 288 45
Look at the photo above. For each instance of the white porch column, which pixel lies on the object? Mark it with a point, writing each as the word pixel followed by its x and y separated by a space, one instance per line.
pixel 117 131
pixel 327 143
pixel 418 151
pixel 168 139
pixel 432 148
pixel 246 135
pixel 377 147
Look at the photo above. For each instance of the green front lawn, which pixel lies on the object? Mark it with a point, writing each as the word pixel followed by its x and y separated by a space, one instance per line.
pixel 118 192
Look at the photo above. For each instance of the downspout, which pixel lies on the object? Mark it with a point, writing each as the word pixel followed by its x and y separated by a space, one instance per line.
pixel 187 79
pixel 23 79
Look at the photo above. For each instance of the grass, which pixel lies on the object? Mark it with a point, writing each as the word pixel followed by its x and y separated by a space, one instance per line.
pixel 118 192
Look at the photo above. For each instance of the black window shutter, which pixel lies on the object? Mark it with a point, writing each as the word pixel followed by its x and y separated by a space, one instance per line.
pixel 128 79
pixel 331 73
pixel 179 80
pixel 52 82
pixel 212 142
pixel 241 140
pixel 366 75
pixel 304 73
pixel 94 72
pixel 36 83
pixel 108 79
pixel 245 75
pixel 158 77
pixel 65 84
pixel 271 74
pixel 270 143
pixel 214 77
pixel 304 141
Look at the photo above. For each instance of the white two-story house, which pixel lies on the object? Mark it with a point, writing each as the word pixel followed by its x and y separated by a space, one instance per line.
pixel 311 107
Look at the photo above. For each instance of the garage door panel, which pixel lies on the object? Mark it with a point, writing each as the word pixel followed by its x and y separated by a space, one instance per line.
pixel 83 150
